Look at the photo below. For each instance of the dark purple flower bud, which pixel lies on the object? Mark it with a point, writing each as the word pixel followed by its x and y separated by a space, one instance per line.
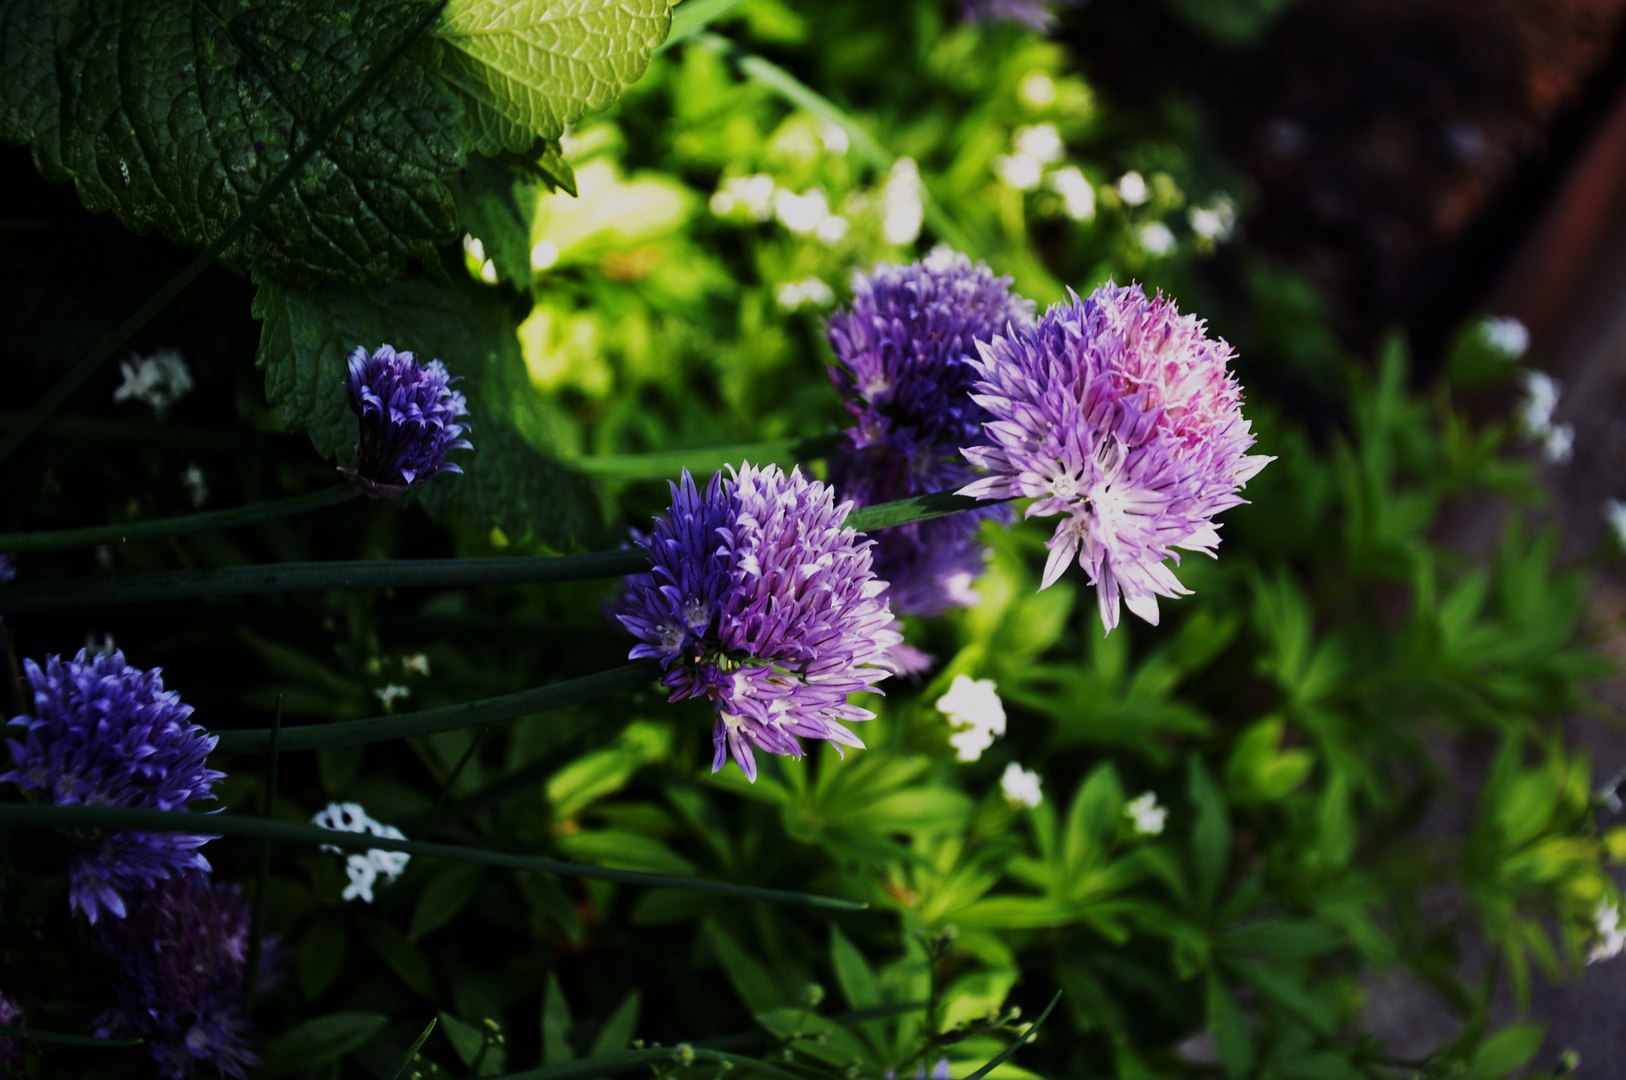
pixel 408 413
pixel 105 734
pixel 904 348
pixel 179 961
pixel 11 1050
pixel 1034 14
pixel 763 603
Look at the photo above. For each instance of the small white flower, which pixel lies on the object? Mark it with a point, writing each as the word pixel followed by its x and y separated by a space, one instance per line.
pixel 809 292
pixel 1541 394
pixel 544 254
pixel 1037 89
pixel 1614 512
pixel 1132 188
pixel 1558 445
pixel 834 137
pixel 197 486
pixel 1021 786
pixel 753 194
pixel 107 646
pixel 973 704
pixel 1506 336
pixel 1076 191
pixel 803 213
pixel 1216 221
pixel 159 380
pixel 1145 814
pixel 475 249
pixel 1155 238
pixel 903 208
pixel 416 665
pixel 388 694
pixel 362 869
pixel 1042 142
pixel 1611 937
pixel 832 229
pixel 1020 171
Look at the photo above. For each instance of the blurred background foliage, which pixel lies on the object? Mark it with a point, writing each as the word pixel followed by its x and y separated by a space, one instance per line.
pixel 1287 716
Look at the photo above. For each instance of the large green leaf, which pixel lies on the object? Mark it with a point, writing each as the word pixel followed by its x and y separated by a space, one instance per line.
pixel 174 116
pixel 509 480
pixel 526 68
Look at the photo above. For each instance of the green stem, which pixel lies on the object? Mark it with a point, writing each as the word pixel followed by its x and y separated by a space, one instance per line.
pixel 33 1035
pixel 429 721
pixel 868 149
pixel 175 526
pixel 703 461
pixel 694 16
pixel 294 577
pixel 1021 1041
pixel 127 819
pixel 401 573
pixel 625 1061
pixel 257 922
pixel 160 300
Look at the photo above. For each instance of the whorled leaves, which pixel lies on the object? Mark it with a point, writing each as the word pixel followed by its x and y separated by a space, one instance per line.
pixel 175 115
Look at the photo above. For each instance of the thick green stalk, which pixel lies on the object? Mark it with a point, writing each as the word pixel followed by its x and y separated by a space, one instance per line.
pixel 29 1034
pixel 868 149
pixel 126 819
pixel 429 721
pixel 703 461
pixel 294 577
pixel 160 300
pixel 57 539
pixel 400 573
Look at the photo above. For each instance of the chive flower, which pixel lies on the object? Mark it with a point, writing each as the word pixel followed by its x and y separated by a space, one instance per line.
pixel 107 734
pixel 1033 14
pixel 179 962
pixel 11 1050
pixel 760 601
pixel 903 350
pixel 1119 415
pixel 409 421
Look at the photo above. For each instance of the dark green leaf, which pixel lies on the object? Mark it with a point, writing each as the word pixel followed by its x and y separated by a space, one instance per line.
pixel 556 1025
pixel 1505 1051
pixel 1211 836
pixel 447 893
pixel 496 207
pixel 1229 1027
pixel 174 116
pixel 319 1041
pixel 319 958
pixel 405 959
pixel 618 1030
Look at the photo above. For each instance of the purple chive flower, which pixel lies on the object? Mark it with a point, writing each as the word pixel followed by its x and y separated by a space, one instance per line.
pixel 1119 413
pixel 179 962
pixel 904 348
pixel 11 1050
pixel 8 568
pixel 408 414
pixel 105 734
pixel 762 603
pixel 1034 14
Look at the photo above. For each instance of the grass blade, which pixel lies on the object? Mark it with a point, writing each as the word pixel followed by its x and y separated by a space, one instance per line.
pixel 908 511
pixel 127 819
pixel 58 539
pixel 429 721
pixel 1021 1041
pixel 625 1061
pixel 33 1035
pixel 406 1058
pixel 160 300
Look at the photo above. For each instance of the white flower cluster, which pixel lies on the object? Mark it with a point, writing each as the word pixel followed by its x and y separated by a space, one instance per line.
pixel 1145 814
pixel 1507 337
pixel 1216 221
pixel 196 484
pixel 1541 392
pixel 363 868
pixel 1614 512
pixel 1032 148
pixel 758 198
pixel 973 704
pixel 159 380
pixel 1021 786
pixel 903 203
pixel 1611 936
pixel 387 695
pixel 808 292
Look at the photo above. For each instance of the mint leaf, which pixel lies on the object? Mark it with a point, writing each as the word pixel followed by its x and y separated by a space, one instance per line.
pixel 510 479
pixel 175 115
pixel 526 68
